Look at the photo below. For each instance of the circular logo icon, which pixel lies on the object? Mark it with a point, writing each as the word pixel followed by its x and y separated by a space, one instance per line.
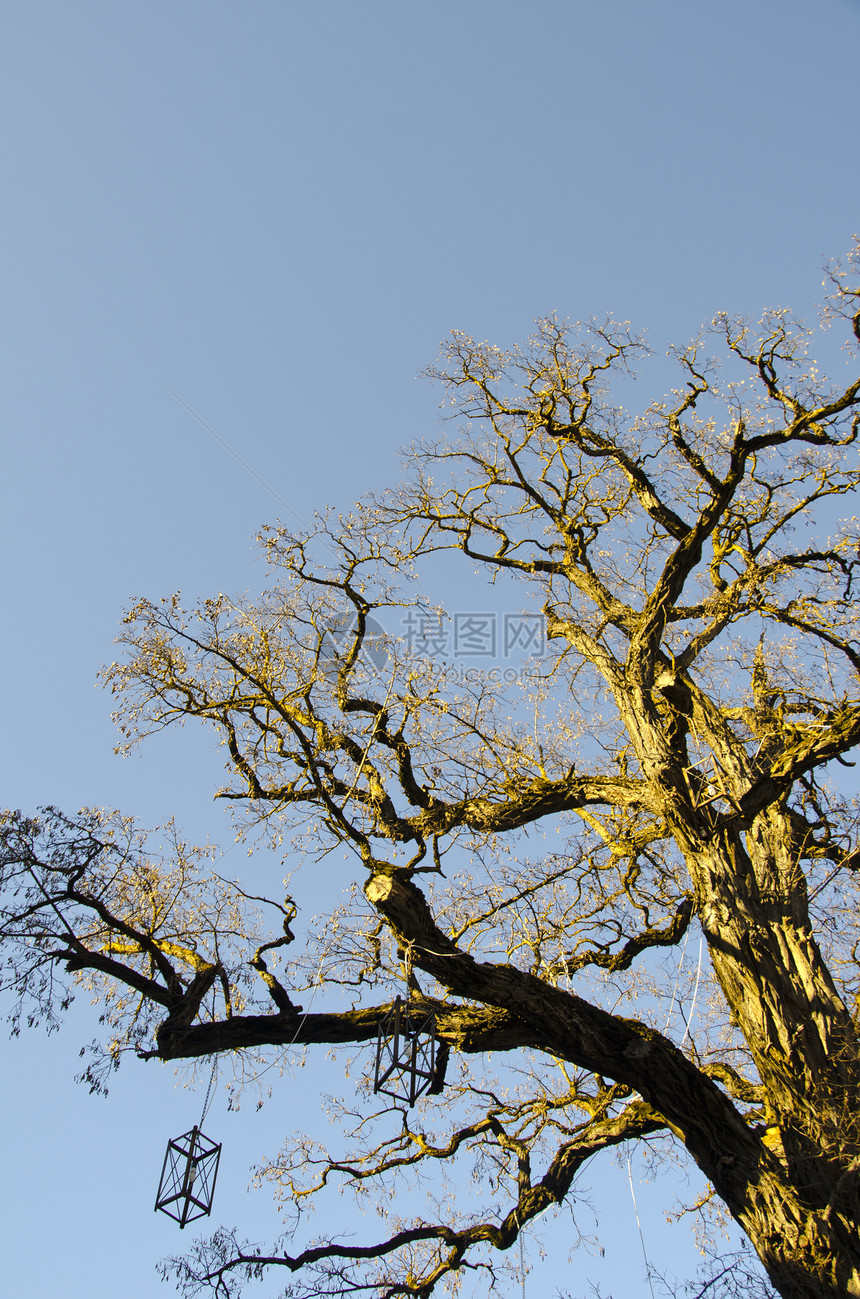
pixel 338 638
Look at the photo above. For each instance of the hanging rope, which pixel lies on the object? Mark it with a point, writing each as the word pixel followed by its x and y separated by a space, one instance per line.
pixel 687 1022
pixel 639 1225
pixel 677 980
pixel 689 1019
pixel 316 985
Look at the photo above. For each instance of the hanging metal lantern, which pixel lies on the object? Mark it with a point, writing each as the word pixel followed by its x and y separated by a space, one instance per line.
pixel 188 1175
pixel 405 1054
pixel 707 784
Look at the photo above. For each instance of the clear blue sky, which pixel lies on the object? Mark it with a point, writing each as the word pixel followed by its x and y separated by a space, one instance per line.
pixel 278 210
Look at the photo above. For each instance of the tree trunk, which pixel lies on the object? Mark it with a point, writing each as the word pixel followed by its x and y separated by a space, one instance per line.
pixel 803 1040
pixel 807 1254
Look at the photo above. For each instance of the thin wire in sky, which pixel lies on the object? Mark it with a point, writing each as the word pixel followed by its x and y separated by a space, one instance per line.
pixel 235 454
pixel 639 1225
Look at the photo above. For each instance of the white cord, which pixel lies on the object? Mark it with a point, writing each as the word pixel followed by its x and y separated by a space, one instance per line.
pixel 695 991
pixel 316 987
pixel 677 980
pixel 639 1225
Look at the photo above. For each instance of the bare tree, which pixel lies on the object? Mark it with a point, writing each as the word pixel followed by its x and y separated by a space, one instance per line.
pixel 694 568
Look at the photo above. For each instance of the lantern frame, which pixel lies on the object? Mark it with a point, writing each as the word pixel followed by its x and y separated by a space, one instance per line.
pixel 706 782
pixel 186 1187
pixel 405 1054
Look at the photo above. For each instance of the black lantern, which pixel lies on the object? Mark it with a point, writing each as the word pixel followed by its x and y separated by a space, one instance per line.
pixel 188 1177
pixel 405 1054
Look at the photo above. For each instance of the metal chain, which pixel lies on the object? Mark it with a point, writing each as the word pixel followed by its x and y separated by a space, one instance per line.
pixel 70 934
pixel 208 1092
pixel 522 1253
